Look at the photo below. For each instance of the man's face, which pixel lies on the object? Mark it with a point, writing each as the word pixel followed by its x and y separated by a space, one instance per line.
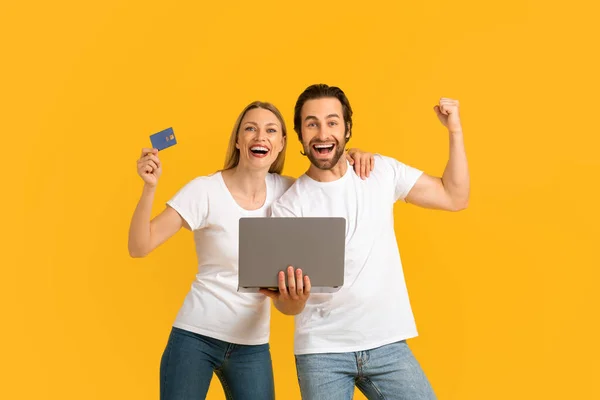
pixel 323 131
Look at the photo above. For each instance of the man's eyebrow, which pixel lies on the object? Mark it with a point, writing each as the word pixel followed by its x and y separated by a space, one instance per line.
pixel 329 116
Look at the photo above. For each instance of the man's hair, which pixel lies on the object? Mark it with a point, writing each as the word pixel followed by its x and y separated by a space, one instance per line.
pixel 320 91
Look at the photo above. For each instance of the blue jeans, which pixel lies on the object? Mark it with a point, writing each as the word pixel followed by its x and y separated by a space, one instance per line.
pixel 189 360
pixel 387 372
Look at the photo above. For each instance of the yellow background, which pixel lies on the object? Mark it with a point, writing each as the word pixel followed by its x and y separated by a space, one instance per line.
pixel 505 293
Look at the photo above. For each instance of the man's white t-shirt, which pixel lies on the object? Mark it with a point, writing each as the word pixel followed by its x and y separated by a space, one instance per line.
pixel 372 308
pixel 213 307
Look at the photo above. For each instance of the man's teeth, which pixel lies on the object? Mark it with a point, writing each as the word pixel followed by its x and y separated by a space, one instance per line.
pixel 323 146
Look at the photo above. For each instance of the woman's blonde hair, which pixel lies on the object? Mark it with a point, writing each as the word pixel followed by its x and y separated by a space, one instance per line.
pixel 232 157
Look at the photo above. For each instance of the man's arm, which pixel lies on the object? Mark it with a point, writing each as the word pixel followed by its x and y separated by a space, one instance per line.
pixel 451 191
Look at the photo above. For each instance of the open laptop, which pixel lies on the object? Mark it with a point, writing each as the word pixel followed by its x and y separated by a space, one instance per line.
pixel 269 245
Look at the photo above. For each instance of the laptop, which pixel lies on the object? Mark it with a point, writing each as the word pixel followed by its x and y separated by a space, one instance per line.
pixel 268 245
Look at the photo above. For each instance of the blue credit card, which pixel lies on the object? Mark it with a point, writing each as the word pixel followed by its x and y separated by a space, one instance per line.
pixel 163 139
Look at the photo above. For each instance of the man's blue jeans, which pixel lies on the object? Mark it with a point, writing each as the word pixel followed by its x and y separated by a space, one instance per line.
pixel 189 360
pixel 387 372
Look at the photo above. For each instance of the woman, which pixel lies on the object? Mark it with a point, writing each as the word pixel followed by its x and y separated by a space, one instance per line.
pixel 218 329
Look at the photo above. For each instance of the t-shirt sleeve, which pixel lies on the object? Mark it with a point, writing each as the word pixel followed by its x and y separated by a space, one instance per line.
pixel 191 202
pixel 282 206
pixel 404 177
pixel 282 184
pixel 287 182
pixel 279 209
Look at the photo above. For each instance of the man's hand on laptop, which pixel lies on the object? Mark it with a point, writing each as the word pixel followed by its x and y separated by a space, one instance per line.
pixel 291 298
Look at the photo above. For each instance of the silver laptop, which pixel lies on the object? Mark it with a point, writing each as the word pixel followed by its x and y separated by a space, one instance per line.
pixel 269 245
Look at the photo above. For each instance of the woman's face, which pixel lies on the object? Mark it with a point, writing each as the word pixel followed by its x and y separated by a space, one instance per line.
pixel 260 139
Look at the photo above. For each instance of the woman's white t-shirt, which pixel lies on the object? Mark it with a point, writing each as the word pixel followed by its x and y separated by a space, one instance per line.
pixel 213 307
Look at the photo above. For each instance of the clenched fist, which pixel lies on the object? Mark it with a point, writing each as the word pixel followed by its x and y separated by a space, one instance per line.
pixel 148 167
pixel 447 112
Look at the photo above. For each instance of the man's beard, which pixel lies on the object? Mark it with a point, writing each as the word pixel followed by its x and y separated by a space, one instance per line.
pixel 325 164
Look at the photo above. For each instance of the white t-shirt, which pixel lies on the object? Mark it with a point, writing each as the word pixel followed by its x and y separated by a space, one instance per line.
pixel 372 308
pixel 213 307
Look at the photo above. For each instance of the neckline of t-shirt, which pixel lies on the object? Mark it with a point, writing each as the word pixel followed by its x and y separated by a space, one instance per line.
pixel 242 209
pixel 338 181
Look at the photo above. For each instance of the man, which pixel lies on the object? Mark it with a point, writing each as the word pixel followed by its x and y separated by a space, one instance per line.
pixel 357 336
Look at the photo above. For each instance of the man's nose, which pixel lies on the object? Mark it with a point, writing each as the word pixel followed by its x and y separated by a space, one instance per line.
pixel 322 132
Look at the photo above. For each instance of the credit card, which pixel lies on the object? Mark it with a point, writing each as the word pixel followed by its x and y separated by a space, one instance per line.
pixel 163 139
